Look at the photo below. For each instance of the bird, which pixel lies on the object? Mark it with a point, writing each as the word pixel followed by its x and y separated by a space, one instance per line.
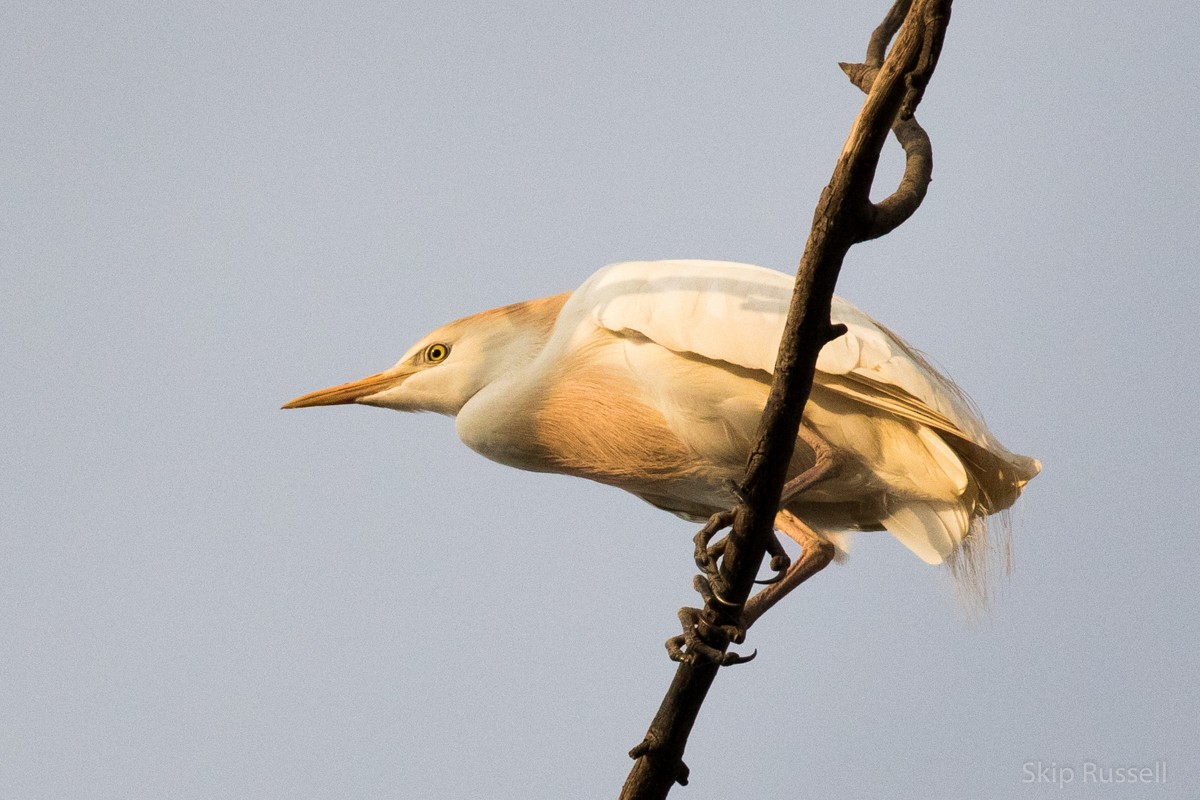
pixel 652 376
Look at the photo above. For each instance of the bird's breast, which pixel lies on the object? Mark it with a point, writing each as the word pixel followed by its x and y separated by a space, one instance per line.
pixel 592 412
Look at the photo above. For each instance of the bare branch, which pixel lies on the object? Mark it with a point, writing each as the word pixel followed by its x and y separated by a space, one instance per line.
pixel 892 211
pixel 844 216
pixel 881 36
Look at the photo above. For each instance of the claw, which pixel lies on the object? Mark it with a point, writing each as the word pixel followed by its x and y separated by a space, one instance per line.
pixel 705 588
pixel 780 560
pixel 731 659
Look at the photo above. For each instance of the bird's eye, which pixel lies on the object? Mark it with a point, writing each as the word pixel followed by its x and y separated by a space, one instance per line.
pixel 436 353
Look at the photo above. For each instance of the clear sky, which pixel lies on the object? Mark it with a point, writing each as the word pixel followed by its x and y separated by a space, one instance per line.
pixel 209 208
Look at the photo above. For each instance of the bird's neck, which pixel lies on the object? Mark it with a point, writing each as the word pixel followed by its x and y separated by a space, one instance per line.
pixel 500 408
pixel 520 333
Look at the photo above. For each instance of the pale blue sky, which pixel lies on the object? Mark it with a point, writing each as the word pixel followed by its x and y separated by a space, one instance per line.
pixel 208 208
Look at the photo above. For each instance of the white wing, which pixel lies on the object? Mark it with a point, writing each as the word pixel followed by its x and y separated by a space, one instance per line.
pixel 731 312
pixel 715 309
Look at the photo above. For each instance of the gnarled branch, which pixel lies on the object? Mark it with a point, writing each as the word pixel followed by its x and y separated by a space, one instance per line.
pixel 892 211
pixel 843 217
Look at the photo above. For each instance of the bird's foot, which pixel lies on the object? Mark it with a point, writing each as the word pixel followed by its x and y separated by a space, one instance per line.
pixel 708 554
pixel 691 648
pixel 701 628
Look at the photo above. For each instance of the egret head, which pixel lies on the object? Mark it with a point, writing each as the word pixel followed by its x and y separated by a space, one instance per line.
pixel 445 369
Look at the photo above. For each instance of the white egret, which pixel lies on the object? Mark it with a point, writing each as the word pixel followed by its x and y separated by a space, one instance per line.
pixel 651 377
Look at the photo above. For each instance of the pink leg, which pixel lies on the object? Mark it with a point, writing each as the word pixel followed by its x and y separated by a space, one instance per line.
pixel 822 466
pixel 816 555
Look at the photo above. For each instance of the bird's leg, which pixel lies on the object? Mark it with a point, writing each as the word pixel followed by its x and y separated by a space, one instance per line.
pixel 816 555
pixel 823 461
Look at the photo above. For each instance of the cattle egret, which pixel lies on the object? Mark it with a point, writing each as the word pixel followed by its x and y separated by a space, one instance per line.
pixel 652 376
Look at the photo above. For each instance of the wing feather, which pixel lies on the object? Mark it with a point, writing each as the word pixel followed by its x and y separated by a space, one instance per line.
pixel 725 311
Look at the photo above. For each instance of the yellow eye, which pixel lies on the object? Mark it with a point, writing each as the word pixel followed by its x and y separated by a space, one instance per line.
pixel 437 352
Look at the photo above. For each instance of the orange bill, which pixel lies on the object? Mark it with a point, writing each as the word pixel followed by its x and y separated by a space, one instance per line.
pixel 347 392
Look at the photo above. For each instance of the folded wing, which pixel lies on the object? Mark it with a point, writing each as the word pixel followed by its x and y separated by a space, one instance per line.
pixel 735 313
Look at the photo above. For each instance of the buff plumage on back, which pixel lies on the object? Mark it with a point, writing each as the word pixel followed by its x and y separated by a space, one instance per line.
pixel 686 306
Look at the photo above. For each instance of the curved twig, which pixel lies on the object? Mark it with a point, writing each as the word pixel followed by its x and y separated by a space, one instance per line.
pixel 891 212
pixel 881 36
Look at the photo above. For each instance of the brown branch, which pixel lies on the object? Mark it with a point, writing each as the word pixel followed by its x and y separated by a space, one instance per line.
pixel 889 213
pixel 892 211
pixel 881 36
pixel 844 216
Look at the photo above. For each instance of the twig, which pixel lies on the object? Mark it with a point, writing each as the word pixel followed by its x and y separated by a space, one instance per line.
pixel 844 216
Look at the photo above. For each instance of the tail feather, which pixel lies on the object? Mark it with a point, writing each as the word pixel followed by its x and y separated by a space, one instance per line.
pixel 932 530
